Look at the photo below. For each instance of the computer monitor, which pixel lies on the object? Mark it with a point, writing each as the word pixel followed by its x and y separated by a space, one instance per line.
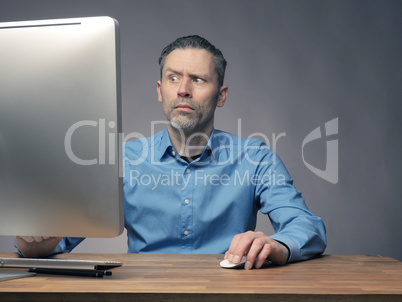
pixel 60 120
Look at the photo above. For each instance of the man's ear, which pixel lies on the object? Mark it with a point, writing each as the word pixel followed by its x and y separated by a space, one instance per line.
pixel 223 93
pixel 158 88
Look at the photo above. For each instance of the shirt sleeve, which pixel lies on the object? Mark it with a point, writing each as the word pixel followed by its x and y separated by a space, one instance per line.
pixel 67 244
pixel 295 226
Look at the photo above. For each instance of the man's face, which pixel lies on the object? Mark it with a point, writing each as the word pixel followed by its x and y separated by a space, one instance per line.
pixel 189 90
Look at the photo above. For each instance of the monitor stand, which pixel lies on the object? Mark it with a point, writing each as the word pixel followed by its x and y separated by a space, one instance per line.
pixel 9 275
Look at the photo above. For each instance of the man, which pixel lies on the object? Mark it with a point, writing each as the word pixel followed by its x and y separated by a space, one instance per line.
pixel 194 189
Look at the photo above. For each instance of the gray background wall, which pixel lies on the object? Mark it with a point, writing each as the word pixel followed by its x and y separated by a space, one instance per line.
pixel 293 66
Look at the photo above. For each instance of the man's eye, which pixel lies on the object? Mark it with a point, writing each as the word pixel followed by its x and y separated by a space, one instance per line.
pixel 173 79
pixel 198 80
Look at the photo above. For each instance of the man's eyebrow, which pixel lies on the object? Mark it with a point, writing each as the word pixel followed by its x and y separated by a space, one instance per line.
pixel 171 71
pixel 192 75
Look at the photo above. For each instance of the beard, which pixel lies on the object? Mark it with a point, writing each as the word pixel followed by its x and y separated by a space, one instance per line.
pixel 182 123
pixel 188 121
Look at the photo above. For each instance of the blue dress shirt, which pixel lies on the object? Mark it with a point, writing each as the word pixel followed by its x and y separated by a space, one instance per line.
pixel 172 206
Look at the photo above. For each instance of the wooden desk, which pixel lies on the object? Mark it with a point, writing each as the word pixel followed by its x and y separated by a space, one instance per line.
pixel 156 277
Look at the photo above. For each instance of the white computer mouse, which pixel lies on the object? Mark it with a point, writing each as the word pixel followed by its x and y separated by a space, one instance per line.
pixel 229 264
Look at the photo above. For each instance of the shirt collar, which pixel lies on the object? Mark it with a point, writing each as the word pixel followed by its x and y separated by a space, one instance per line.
pixel 165 145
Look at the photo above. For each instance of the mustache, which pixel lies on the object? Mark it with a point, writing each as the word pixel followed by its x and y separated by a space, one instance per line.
pixel 178 102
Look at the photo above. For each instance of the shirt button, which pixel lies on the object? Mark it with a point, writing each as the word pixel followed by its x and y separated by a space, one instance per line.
pixel 186 201
pixel 186 233
pixel 173 153
pixel 188 171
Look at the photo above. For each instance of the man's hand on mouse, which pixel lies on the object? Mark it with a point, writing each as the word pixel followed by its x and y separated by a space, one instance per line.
pixel 258 247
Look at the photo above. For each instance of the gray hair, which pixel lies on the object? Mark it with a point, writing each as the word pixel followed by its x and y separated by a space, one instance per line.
pixel 196 42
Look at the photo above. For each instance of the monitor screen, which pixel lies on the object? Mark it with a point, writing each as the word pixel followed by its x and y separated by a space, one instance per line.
pixel 60 120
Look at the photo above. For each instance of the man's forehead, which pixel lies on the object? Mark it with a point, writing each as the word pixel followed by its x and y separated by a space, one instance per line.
pixel 190 58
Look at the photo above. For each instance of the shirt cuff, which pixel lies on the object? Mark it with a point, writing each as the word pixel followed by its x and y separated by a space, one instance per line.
pixel 294 250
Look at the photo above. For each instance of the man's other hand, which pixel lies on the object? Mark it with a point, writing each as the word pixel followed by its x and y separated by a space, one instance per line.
pixel 258 247
pixel 37 246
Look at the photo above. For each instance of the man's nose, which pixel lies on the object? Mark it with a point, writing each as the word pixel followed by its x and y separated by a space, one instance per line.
pixel 184 89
